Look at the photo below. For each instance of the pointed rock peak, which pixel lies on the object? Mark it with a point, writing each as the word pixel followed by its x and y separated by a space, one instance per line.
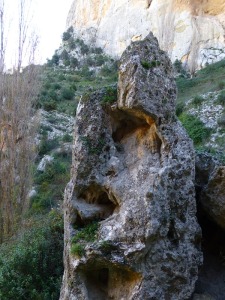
pixel 146 80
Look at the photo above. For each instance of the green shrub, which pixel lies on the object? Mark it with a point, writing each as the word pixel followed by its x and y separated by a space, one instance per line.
pixel 150 64
pixel 72 44
pixel 74 63
pixel 56 86
pixel 67 138
pixel 67 93
pixel 179 108
pixel 84 49
pixel 106 70
pixel 77 250
pixel 47 145
pixel 99 60
pixel 195 128
pixel 221 98
pixel 50 184
pixel 178 66
pixel 197 100
pixel 67 34
pixel 110 95
pixel 64 55
pixel 55 59
pixel 97 50
pixel 221 85
pixel 49 106
pixel 31 266
pixel 221 120
pixel 87 233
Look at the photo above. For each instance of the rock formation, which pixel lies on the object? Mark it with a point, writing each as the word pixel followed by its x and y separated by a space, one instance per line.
pixel 211 181
pixel 191 31
pixel 133 175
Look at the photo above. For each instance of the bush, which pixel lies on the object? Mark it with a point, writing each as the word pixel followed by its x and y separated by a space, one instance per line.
pixel 47 145
pixel 106 70
pixel 67 138
pixel 110 95
pixel 87 233
pixel 221 98
pixel 178 66
pixel 179 108
pixel 49 106
pixel 67 93
pixel 197 100
pixel 99 60
pixel 71 44
pixel 31 266
pixel 195 128
pixel 74 63
pixel 67 34
pixel 221 85
pixel 77 250
pixel 64 55
pixel 84 49
pixel 55 59
pixel 150 64
pixel 221 121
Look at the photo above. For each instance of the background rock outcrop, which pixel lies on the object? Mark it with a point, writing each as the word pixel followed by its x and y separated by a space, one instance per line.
pixel 130 217
pixel 191 31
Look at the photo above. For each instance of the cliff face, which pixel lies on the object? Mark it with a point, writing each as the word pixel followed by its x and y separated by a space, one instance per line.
pixel 133 176
pixel 191 31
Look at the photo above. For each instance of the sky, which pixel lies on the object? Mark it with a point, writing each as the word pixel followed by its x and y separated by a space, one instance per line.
pixel 50 18
pixel 48 21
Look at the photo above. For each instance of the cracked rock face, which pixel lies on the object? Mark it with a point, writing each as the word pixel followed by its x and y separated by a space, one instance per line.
pixel 189 30
pixel 133 174
pixel 210 182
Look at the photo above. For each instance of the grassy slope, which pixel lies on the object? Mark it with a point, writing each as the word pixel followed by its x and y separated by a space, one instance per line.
pixel 210 79
pixel 206 80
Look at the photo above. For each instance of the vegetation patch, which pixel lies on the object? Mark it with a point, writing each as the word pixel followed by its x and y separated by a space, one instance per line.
pixel 221 120
pixel 221 98
pixel 110 95
pixel 197 100
pixel 87 234
pixel 93 146
pixel 195 128
pixel 179 108
pixel 150 64
pixel 31 265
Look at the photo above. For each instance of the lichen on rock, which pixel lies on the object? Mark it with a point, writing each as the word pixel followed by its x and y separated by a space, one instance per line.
pixel 133 173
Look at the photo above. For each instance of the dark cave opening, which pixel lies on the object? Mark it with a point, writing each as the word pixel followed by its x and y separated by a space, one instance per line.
pixel 126 127
pixel 212 274
pixel 107 281
pixel 140 128
pixel 97 283
pixel 94 203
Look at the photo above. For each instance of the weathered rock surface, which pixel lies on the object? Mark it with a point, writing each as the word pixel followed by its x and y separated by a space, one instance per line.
pixel 213 196
pixel 133 171
pixel 210 177
pixel 210 199
pixel 191 31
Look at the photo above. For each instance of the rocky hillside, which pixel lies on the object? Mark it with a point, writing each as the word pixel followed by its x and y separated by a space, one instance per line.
pixel 191 31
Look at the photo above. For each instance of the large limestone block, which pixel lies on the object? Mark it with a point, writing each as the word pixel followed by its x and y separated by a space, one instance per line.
pixel 213 196
pixel 191 31
pixel 210 187
pixel 133 172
